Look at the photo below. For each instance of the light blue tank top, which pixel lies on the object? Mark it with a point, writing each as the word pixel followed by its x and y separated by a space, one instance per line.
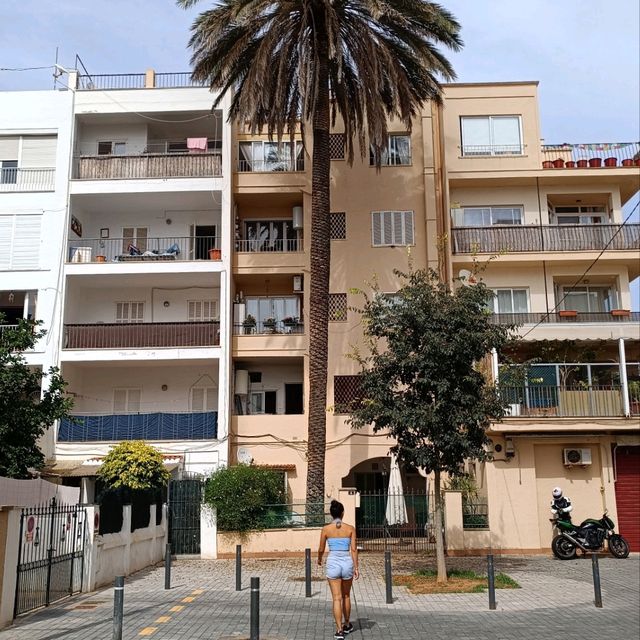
pixel 339 544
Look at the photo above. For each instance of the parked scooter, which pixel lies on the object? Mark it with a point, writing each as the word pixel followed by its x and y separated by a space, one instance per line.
pixel 590 536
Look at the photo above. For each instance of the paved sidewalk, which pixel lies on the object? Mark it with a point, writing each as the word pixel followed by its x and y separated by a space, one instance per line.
pixel 556 598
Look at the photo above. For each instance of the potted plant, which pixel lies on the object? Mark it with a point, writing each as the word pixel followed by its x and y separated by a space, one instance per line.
pixel 290 321
pixel 269 324
pixel 215 254
pixel 627 162
pixel 570 164
pixel 558 163
pixel 582 164
pixel 610 162
pixel 249 324
pixel 624 313
pixel 568 313
pixel 101 258
pixel 595 162
pixel 547 164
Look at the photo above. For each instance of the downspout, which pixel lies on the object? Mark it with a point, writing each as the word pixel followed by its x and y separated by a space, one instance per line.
pixel 544 262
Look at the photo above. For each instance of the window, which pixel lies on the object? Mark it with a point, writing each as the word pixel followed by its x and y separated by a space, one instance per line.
pixel 262 402
pixel 579 215
pixel 270 235
pixel 398 151
pixel 591 299
pixel 488 216
pixel 337 307
pixel 346 393
pixel 126 400
pixel 203 399
pixel 20 241
pixel 129 312
pixel 134 239
pixel 391 228
pixel 202 310
pixel 336 146
pixel 8 171
pixel 511 301
pixel 262 155
pixel 110 148
pixel 491 135
pixel 278 308
pixel 338 225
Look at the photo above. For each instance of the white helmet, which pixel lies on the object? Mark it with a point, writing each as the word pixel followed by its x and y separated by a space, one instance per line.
pixel 557 492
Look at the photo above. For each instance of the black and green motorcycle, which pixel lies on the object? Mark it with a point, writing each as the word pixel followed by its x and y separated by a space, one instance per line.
pixel 590 536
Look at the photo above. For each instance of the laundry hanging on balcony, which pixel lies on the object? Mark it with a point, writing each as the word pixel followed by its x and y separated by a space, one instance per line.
pixel 196 144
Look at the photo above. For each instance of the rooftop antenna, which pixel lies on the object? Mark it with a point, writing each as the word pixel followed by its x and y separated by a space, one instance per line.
pixel 55 72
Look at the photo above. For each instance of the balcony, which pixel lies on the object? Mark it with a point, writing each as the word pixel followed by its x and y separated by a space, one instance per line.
pixel 590 156
pixel 156 159
pixel 147 335
pixel 163 249
pixel 566 317
pixel 252 327
pixel 187 425
pixel 99 82
pixel 15 179
pixel 519 239
pixel 278 245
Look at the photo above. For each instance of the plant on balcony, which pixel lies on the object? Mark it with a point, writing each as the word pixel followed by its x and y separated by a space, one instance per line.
pixel 291 321
pixel 293 69
pixel 269 323
pixel 30 401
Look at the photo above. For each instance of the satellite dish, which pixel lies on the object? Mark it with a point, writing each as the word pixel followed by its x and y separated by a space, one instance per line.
pixel 466 276
pixel 244 456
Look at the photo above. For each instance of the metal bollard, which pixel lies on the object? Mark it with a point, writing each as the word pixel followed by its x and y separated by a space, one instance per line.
pixel 254 633
pixel 307 573
pixel 492 582
pixel 167 567
pixel 387 577
pixel 596 580
pixel 238 567
pixel 118 607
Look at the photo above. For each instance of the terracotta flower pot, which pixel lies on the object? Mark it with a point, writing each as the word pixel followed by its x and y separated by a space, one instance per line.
pixel 595 162
pixel 569 164
pixel 583 163
pixel 627 162
pixel 610 162
pixel 568 313
pixel 215 254
pixel 637 162
pixel 625 313
pixel 547 164
pixel 559 163
pixel 101 258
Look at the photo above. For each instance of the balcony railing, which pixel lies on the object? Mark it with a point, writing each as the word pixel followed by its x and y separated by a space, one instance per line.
pixel 563 401
pixel 280 245
pixel 514 239
pixel 16 179
pixel 271 166
pixel 136 81
pixel 5 331
pixel 593 155
pixel 146 335
pixel 267 327
pixel 556 316
pixel 165 249
pixel 187 425
pixel 493 150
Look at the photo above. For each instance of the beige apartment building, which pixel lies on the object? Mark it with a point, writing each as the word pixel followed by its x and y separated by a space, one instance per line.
pixel 472 184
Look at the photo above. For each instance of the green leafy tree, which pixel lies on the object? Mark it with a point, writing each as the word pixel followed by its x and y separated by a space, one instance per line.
pixel 134 465
pixel 420 381
pixel 30 401
pixel 242 496
pixel 299 63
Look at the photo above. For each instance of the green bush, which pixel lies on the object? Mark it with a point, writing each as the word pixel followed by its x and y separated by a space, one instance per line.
pixel 243 496
pixel 135 465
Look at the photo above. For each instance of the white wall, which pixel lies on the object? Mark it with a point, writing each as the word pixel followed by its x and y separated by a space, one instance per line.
pixel 135 135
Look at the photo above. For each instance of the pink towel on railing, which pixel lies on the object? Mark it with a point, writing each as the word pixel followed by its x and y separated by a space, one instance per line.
pixel 197 144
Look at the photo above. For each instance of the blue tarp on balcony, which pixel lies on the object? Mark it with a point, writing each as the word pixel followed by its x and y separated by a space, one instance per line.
pixel 140 426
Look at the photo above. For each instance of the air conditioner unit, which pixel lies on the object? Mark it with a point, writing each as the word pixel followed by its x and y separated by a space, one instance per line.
pixel 577 457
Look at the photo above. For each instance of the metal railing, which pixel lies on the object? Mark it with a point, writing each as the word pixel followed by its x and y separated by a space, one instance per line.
pixel 493 150
pixel 271 166
pixel 634 397
pixel 144 335
pixel 267 327
pixel 17 179
pixel 475 515
pixel 593 154
pixel 557 316
pixel 149 165
pixel 573 401
pixel 111 81
pixel 181 425
pixel 280 245
pixel 510 239
pixel 176 80
pixel 296 514
pixel 164 249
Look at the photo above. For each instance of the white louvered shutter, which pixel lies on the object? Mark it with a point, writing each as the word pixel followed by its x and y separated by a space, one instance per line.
pixel 38 151
pixel 119 400
pixel 6 239
pixel 376 228
pixel 408 227
pixel 9 148
pixel 25 252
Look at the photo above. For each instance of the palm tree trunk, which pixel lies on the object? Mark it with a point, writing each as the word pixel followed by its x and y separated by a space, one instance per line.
pixel 319 283
pixel 440 561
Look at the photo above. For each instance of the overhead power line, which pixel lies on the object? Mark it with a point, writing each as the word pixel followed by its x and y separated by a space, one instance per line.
pixel 25 68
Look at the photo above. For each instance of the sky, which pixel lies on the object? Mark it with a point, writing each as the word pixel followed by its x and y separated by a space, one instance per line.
pixel 584 53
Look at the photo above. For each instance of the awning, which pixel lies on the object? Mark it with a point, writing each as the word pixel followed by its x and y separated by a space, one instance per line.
pixel 89 468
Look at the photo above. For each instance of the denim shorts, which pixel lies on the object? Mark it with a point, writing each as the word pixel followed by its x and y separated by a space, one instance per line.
pixel 339 565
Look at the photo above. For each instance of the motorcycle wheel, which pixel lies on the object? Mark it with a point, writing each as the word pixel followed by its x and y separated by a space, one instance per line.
pixel 618 546
pixel 563 549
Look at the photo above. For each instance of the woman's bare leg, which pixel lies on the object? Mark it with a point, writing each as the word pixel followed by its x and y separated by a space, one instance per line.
pixel 346 600
pixel 336 594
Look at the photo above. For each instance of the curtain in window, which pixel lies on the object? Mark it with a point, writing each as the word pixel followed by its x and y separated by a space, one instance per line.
pixel 476 135
pixel 400 150
pixel 506 134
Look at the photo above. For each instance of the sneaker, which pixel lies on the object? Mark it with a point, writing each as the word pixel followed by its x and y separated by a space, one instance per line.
pixel 338 635
pixel 347 628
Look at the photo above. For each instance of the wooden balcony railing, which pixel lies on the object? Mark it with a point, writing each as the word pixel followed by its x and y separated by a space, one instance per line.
pixel 147 335
pixel 517 239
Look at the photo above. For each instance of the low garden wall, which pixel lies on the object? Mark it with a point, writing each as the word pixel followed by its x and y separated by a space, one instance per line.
pixel 281 543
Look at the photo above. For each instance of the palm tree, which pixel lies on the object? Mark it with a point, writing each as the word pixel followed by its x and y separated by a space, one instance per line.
pixel 295 63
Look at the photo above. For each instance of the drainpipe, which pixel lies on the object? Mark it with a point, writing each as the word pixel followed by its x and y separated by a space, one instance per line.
pixel 25 307
pixel 494 365
pixel 626 409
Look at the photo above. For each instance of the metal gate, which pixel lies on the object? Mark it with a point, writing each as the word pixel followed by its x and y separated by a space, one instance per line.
pixel 374 533
pixel 184 505
pixel 50 556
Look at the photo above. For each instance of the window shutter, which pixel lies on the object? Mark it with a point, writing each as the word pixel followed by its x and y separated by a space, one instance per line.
pixel 398 228
pixel 122 312
pixel 197 399
pixel 9 148
pixel 376 228
pixel 141 238
pixel 387 227
pixel 133 400
pixel 194 311
pixel 38 151
pixel 137 311
pixel 6 237
pixel 408 227
pixel 26 242
pixel 119 400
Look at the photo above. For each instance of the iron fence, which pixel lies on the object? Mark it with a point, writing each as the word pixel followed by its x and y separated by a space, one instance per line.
pixel 111 81
pixel 279 245
pixel 184 505
pixel 295 514
pixel 618 153
pixel 285 163
pixel 176 80
pixel 150 249
pixel 16 179
pixel 475 515
pixel 50 555
pixel 493 149
pixel 268 327
pixel 557 316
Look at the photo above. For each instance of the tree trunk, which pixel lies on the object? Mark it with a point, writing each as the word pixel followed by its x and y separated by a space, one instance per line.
pixel 440 561
pixel 319 283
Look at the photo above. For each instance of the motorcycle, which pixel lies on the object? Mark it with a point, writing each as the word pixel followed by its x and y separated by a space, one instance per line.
pixel 589 536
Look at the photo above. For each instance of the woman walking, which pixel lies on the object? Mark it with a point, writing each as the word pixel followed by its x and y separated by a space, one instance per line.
pixel 342 566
